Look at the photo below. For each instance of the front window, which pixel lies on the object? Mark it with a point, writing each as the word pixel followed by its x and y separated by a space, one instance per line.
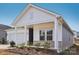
pixel 42 35
pixel 49 35
pixel 46 34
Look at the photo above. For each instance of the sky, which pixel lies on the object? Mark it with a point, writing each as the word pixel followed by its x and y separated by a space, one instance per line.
pixel 70 12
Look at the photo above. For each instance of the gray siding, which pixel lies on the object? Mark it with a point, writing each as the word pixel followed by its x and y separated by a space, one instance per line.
pixel 67 38
pixel 3 34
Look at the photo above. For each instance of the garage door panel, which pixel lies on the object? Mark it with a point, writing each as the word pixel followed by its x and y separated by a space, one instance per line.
pixel 20 38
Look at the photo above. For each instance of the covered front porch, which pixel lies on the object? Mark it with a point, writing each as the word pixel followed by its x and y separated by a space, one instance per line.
pixel 35 34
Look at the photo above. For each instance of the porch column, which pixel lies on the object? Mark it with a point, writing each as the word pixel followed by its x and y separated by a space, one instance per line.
pixel 26 34
pixel 55 35
pixel 15 33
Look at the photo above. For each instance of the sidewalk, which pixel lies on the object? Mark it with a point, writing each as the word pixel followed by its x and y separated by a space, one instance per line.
pixel 4 46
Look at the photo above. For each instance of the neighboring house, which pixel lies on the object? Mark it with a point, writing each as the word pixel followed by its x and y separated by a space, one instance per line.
pixel 3 33
pixel 36 24
pixel 76 37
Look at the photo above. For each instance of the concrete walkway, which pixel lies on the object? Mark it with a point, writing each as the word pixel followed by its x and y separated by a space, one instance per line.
pixel 4 46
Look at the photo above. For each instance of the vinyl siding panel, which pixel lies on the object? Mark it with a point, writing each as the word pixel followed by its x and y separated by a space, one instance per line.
pixel 34 16
pixel 67 38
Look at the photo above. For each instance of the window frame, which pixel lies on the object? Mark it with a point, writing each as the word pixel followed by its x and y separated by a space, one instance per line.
pixel 45 31
pixel 49 35
pixel 41 31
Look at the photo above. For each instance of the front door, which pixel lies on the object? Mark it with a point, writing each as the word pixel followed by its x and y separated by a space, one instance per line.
pixel 31 36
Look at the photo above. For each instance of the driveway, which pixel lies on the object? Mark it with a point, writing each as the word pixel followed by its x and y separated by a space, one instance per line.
pixel 6 52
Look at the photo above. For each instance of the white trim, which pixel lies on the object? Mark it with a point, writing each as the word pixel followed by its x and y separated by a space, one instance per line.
pixel 61 33
pixel 45 35
pixel 15 33
pixel 25 34
pixel 56 33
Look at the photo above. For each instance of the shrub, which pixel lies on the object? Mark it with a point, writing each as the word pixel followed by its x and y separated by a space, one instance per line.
pixel 37 44
pixel 22 46
pixel 46 45
pixel 29 44
pixel 17 46
pixel 65 52
pixel 3 41
pixel 12 44
pixel 0 41
pixel 42 44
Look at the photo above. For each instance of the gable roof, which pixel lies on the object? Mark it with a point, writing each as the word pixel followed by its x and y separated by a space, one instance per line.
pixel 34 6
pixel 44 10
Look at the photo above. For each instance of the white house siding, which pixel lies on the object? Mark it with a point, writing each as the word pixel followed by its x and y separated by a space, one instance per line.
pixel 67 38
pixel 34 16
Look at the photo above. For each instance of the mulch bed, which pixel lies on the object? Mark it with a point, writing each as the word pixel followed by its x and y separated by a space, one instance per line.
pixel 38 51
pixel 33 51
pixel 74 50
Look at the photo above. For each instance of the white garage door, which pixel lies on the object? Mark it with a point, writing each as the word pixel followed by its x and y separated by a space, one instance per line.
pixel 20 38
pixel 11 37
